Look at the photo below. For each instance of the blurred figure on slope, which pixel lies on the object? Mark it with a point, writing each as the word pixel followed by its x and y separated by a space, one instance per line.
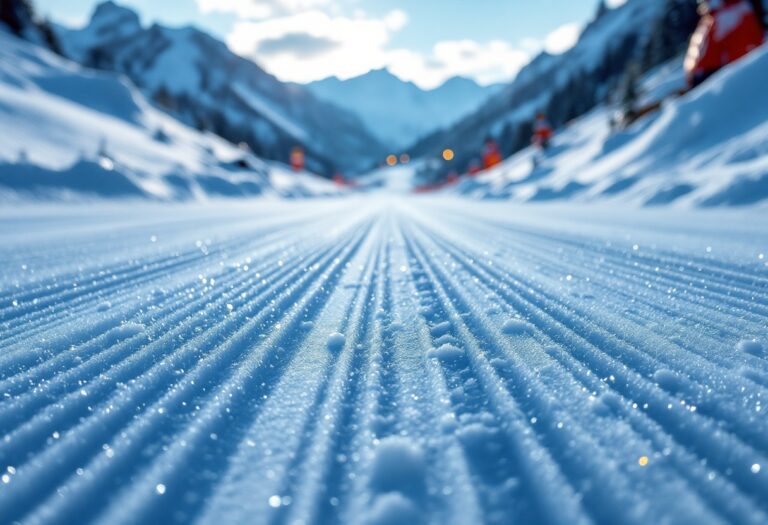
pixel 491 154
pixel 728 30
pixel 542 135
pixel 298 159
pixel 542 132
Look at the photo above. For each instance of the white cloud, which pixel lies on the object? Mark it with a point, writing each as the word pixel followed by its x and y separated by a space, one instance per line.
pixel 562 39
pixel 312 45
pixel 350 46
pixel 495 61
pixel 259 9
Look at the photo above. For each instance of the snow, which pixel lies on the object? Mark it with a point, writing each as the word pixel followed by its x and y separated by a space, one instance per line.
pixel 670 381
pixel 206 392
pixel 515 326
pixel 751 347
pixel 392 180
pixel 393 509
pixel 708 148
pixel 440 329
pixel 398 466
pixel 446 353
pixel 336 342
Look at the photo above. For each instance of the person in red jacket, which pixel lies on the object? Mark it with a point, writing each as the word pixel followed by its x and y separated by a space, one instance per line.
pixel 728 30
pixel 297 158
pixel 542 132
pixel 491 154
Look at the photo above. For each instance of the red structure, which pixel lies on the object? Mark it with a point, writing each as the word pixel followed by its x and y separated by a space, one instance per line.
pixel 491 154
pixel 728 30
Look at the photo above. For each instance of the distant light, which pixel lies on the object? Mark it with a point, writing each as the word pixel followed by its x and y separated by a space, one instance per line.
pixel 448 154
pixel 392 160
pixel 405 158
pixel 106 164
pixel 643 461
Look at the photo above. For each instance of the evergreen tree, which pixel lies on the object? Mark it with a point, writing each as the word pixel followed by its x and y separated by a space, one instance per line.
pixel 506 140
pixel 671 33
pixel 99 58
pixel 16 14
pixel 50 38
pixel 164 99
pixel 20 17
pixel 524 134
pixel 630 92
pixel 103 152
pixel 161 136
pixel 760 10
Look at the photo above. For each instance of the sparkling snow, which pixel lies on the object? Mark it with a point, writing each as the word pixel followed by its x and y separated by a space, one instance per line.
pixel 205 393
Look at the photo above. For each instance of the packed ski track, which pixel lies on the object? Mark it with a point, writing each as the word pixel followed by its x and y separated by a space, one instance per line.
pixel 382 360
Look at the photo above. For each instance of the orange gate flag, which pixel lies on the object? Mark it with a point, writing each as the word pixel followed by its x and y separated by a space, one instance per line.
pixel 297 159
pixel 491 154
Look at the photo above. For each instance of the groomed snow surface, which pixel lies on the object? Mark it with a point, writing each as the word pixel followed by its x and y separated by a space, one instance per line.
pixel 382 361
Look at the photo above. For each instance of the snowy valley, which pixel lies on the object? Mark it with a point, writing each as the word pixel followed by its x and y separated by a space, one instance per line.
pixel 705 149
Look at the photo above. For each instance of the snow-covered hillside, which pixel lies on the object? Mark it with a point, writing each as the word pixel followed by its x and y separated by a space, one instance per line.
pixel 197 78
pixel 399 112
pixel 73 132
pixel 707 148
pixel 562 85
pixel 374 362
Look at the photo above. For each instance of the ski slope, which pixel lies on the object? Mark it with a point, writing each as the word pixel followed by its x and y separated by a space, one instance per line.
pixel 382 360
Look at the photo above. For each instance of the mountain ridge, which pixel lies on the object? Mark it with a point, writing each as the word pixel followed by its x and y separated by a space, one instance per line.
pixel 197 78
pixel 403 112
pixel 563 86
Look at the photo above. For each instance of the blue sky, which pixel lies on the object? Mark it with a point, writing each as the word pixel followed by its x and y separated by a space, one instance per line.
pixel 426 41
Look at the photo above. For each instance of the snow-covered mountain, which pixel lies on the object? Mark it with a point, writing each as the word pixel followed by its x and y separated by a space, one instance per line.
pixel 565 86
pixel 197 78
pixel 400 112
pixel 707 148
pixel 73 132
